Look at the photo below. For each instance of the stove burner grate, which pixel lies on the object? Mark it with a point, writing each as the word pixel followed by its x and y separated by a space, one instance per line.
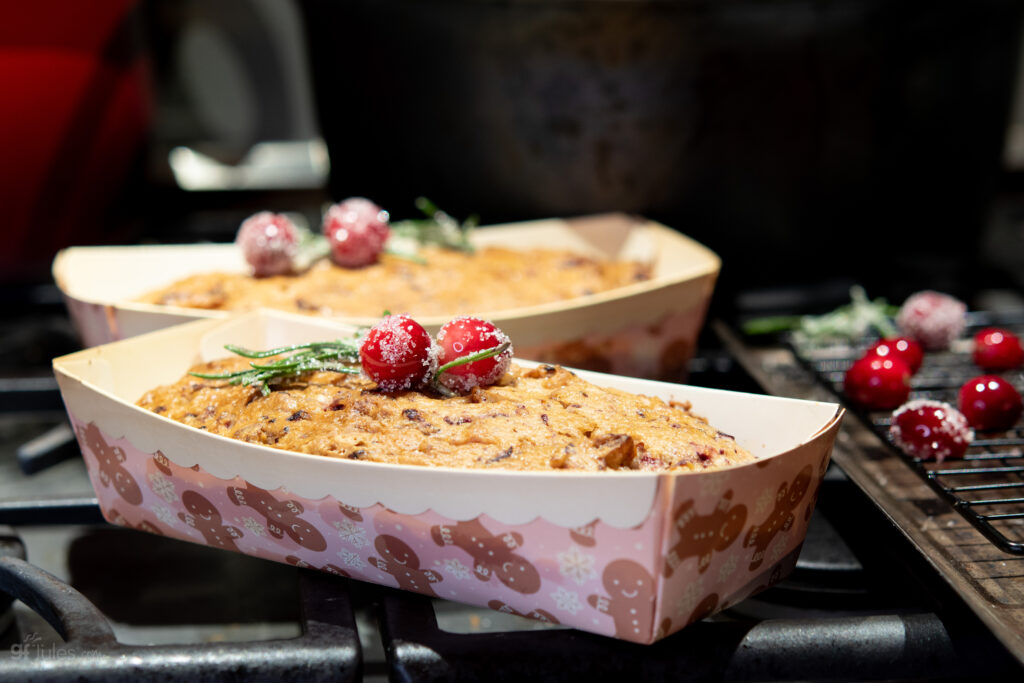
pixel 328 648
pixel 986 486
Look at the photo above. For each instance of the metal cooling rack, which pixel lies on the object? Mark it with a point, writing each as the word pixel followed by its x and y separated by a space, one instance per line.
pixel 986 486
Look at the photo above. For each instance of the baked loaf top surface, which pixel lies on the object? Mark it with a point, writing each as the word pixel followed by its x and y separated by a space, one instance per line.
pixel 449 282
pixel 543 418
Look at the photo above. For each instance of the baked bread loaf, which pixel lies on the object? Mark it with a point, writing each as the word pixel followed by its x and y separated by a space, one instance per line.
pixel 446 282
pixel 542 418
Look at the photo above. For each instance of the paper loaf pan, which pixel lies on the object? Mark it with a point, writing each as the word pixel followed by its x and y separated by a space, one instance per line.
pixel 646 329
pixel 633 555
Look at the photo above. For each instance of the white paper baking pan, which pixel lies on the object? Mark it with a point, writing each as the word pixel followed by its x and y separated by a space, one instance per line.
pixel 633 555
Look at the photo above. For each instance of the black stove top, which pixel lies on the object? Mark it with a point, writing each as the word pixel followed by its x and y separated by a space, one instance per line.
pixel 861 604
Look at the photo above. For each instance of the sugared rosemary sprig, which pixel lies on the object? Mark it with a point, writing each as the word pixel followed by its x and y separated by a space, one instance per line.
pixel 437 228
pixel 852 321
pixel 334 356
pixel 312 247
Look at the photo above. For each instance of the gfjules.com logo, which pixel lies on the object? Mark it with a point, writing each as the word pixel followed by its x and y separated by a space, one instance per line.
pixel 32 645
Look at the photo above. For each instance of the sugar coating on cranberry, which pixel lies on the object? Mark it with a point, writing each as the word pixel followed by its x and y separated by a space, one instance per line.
pixel 356 230
pixel 269 242
pixel 932 318
pixel 398 354
pixel 465 335
pixel 931 430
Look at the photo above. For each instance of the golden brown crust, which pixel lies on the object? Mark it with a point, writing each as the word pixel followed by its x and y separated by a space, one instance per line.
pixel 544 418
pixel 448 283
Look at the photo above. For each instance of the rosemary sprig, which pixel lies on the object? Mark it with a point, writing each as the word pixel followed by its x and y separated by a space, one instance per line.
pixel 339 346
pixel 333 356
pixel 312 247
pixel 437 228
pixel 852 321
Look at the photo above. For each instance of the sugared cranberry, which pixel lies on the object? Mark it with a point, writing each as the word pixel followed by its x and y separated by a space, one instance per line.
pixel 932 430
pixel 990 402
pixel 268 242
pixel 877 383
pixel 932 318
pixel 903 348
pixel 462 336
pixel 356 230
pixel 996 349
pixel 398 354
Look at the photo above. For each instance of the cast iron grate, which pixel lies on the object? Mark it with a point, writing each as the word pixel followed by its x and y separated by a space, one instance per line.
pixel 328 648
pixel 986 486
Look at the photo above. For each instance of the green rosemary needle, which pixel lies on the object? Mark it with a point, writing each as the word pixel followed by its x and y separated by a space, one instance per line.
pixel 437 228
pixel 334 356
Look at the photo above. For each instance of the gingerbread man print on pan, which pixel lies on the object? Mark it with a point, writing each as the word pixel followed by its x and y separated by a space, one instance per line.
pixel 663 629
pixel 282 516
pixel 402 562
pixel 822 468
pixel 110 460
pixel 329 568
pixel 492 555
pixel 630 599
pixel 535 614
pixel 352 513
pixel 584 535
pixel 780 518
pixel 164 464
pixel 145 525
pixel 774 576
pixel 704 608
pixel 702 535
pixel 207 520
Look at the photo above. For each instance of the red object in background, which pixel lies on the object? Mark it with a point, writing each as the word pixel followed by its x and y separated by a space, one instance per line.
pixel 269 242
pixel 932 318
pixel 877 383
pixel 990 402
pixel 903 348
pixel 932 430
pixel 356 230
pixel 76 114
pixel 997 349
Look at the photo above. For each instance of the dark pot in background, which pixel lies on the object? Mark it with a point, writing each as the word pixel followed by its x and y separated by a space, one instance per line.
pixel 796 138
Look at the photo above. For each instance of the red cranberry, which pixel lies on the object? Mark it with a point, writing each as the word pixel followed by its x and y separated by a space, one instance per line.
pixel 930 430
pixel 996 349
pixel 268 242
pixel 990 402
pixel 463 336
pixel 903 348
pixel 932 318
pixel 356 230
pixel 398 354
pixel 877 383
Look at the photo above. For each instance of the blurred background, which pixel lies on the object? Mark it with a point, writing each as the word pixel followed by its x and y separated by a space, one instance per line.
pixel 811 143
